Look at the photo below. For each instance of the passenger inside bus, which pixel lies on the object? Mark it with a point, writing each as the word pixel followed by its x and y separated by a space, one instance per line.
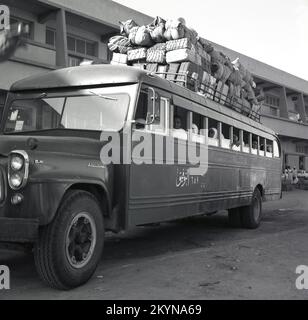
pixel 178 131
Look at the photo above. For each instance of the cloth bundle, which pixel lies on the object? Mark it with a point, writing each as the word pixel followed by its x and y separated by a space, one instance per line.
pixel 140 36
pixel 157 29
pixel 119 44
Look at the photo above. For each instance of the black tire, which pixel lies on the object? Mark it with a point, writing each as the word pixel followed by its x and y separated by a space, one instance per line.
pixel 234 218
pixel 69 249
pixel 251 215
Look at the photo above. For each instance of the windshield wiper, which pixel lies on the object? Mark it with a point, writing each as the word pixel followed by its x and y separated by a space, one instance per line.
pixel 104 97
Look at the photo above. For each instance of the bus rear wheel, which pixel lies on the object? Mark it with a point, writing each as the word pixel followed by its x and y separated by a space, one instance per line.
pixel 251 215
pixel 69 248
pixel 248 217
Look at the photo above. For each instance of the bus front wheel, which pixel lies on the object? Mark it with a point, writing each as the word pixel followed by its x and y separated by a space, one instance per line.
pixel 69 249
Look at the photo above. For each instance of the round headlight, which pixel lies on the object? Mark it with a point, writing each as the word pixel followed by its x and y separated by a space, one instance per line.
pixel 17 163
pixel 16 180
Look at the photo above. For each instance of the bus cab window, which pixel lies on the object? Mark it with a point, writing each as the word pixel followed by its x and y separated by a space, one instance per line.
pixel 180 120
pixel 145 110
pixel 142 110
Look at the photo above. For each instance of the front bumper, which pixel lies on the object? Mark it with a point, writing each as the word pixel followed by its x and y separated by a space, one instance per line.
pixel 18 230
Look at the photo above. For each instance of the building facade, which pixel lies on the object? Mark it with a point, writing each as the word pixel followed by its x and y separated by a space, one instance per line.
pixel 66 32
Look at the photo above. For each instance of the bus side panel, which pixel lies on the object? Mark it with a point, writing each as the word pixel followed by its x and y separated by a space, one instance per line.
pixel 168 192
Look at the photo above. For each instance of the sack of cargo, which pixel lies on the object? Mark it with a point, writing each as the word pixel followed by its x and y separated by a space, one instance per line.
pixel 157 29
pixel 246 75
pixel 137 54
pixel 184 43
pixel 206 65
pixel 119 44
pixel 191 34
pixel 206 45
pixel 156 56
pixel 142 37
pixel 175 29
pixel 250 93
pixel 132 35
pixel 221 72
pixel 236 78
pixel 125 27
pixel 182 55
pixel 218 57
pixel 119 58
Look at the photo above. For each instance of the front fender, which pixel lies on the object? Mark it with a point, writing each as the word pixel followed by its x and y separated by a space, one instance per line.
pixel 42 199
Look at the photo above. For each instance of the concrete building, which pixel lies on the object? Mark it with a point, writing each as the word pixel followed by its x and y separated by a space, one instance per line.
pixel 67 32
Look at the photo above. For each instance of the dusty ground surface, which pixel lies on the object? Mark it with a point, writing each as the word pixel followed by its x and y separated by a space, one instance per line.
pixel 201 258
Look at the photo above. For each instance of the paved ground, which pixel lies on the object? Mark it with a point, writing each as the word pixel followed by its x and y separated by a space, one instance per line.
pixel 201 258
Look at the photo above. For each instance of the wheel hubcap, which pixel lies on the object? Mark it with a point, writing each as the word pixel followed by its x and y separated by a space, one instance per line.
pixel 80 240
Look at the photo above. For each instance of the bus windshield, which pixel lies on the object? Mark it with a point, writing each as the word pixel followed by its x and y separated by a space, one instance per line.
pixel 94 109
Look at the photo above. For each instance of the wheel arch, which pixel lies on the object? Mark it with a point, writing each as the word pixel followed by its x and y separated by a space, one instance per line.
pixel 261 189
pixel 99 191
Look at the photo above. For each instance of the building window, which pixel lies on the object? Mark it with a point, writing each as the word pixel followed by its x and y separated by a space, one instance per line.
pixel 74 44
pixel 51 37
pixel 14 21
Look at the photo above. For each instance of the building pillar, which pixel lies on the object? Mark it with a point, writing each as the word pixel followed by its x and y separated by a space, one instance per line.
pixel 61 39
pixel 283 103
pixel 301 107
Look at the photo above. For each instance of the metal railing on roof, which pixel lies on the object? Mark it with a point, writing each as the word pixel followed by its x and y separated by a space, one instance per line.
pixel 211 92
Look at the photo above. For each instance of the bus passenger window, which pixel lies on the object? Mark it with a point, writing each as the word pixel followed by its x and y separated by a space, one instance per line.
pixel 254 147
pixel 269 148
pixel 246 143
pixel 236 146
pixel 262 146
pixel 276 150
pixel 197 133
pixel 180 118
pixel 213 133
pixel 225 139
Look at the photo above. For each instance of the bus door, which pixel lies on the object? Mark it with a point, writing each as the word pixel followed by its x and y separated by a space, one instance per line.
pixel 148 181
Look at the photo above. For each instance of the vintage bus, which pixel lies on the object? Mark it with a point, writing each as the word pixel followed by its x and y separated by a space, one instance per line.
pixel 59 196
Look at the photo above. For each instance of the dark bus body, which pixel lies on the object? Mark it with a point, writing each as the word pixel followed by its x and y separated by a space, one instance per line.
pixel 57 195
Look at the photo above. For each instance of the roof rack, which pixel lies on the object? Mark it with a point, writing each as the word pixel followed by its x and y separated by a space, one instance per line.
pixel 212 92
